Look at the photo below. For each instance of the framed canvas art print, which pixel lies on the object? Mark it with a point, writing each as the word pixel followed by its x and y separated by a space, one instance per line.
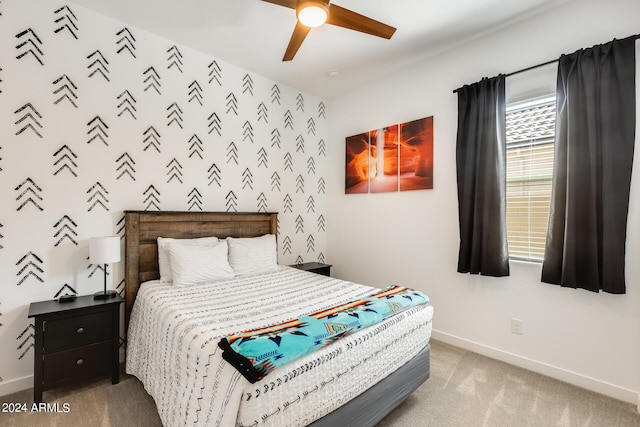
pixel 393 158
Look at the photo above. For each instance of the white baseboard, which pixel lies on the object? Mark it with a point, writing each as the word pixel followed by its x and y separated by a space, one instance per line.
pixel 561 374
pixel 16 385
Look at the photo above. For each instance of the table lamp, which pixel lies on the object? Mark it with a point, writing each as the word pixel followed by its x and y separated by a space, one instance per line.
pixel 104 250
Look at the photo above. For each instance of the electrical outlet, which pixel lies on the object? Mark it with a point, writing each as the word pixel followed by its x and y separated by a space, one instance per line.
pixel 516 326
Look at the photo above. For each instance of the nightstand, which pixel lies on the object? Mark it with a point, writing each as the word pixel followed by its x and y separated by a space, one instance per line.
pixel 74 341
pixel 314 267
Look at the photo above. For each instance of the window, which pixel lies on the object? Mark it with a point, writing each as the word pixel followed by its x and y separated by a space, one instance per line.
pixel 530 130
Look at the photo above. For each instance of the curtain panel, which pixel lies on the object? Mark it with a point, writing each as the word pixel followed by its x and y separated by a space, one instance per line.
pixel 481 162
pixel 595 135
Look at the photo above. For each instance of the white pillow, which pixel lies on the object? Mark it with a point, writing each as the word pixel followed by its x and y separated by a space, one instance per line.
pixel 191 265
pixel 252 255
pixel 164 265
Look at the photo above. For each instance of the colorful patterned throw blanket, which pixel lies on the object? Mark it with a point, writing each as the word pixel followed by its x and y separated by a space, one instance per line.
pixel 258 352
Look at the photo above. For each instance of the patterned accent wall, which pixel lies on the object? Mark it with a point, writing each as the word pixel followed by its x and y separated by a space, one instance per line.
pixel 97 117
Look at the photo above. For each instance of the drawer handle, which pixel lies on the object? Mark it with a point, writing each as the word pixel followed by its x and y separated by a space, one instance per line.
pixel 79 362
pixel 80 330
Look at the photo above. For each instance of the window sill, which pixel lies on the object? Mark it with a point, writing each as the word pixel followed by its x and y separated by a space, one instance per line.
pixel 525 261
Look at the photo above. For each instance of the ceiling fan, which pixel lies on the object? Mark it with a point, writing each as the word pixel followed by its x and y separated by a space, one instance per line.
pixel 313 13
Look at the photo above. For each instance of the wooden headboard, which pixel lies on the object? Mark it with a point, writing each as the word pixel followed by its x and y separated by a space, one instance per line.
pixel 143 228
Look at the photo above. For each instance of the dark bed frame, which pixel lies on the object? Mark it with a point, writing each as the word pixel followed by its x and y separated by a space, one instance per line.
pixel 142 230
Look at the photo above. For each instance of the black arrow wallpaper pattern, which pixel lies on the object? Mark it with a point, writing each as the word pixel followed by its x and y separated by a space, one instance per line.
pixel 151 199
pixel 29 45
pixel 29 194
pixel 101 117
pixel 215 73
pixel 98 65
pixel 65 161
pixel 65 90
pixel 66 20
pixel 25 340
pixel 29 269
pixel 151 139
pixel 65 231
pixel 126 42
pixel 126 104
pixel 195 92
pixel 97 130
pixel 152 80
pixel 97 197
pixel 174 58
pixel 125 167
pixel 29 119
pixel 174 115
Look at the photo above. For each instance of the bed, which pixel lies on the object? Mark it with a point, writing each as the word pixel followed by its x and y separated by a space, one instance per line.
pixel 172 333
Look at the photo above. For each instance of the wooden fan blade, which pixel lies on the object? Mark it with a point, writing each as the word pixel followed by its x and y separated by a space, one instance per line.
pixel 291 4
pixel 354 21
pixel 298 36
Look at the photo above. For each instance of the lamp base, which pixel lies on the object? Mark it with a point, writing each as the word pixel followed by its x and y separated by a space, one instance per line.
pixel 104 295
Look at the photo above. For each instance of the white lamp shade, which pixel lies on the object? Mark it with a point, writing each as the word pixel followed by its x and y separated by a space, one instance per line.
pixel 104 250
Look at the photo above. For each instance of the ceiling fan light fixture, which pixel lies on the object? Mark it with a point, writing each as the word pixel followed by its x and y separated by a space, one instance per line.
pixel 312 13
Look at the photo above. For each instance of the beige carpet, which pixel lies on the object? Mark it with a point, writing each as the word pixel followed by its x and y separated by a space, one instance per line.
pixel 465 389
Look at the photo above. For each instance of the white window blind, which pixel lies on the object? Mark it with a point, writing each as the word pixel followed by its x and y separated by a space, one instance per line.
pixel 530 131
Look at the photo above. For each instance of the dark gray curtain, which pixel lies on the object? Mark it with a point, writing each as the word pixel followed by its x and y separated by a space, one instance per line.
pixel 595 134
pixel 480 161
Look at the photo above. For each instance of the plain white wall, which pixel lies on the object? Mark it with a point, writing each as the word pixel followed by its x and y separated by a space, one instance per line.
pixel 411 238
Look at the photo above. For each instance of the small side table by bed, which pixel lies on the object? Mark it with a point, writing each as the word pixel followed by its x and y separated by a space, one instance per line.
pixel 74 341
pixel 314 267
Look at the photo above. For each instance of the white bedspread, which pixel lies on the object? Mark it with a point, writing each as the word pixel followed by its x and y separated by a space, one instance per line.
pixel 172 348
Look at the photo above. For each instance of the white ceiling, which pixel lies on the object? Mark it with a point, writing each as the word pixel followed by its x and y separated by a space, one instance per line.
pixel 253 34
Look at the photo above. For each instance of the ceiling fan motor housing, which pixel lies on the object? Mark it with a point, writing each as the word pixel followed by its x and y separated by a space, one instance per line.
pixel 312 13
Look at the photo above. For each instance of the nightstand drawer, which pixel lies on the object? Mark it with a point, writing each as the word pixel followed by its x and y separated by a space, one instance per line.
pixel 77 363
pixel 77 331
pixel 325 271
